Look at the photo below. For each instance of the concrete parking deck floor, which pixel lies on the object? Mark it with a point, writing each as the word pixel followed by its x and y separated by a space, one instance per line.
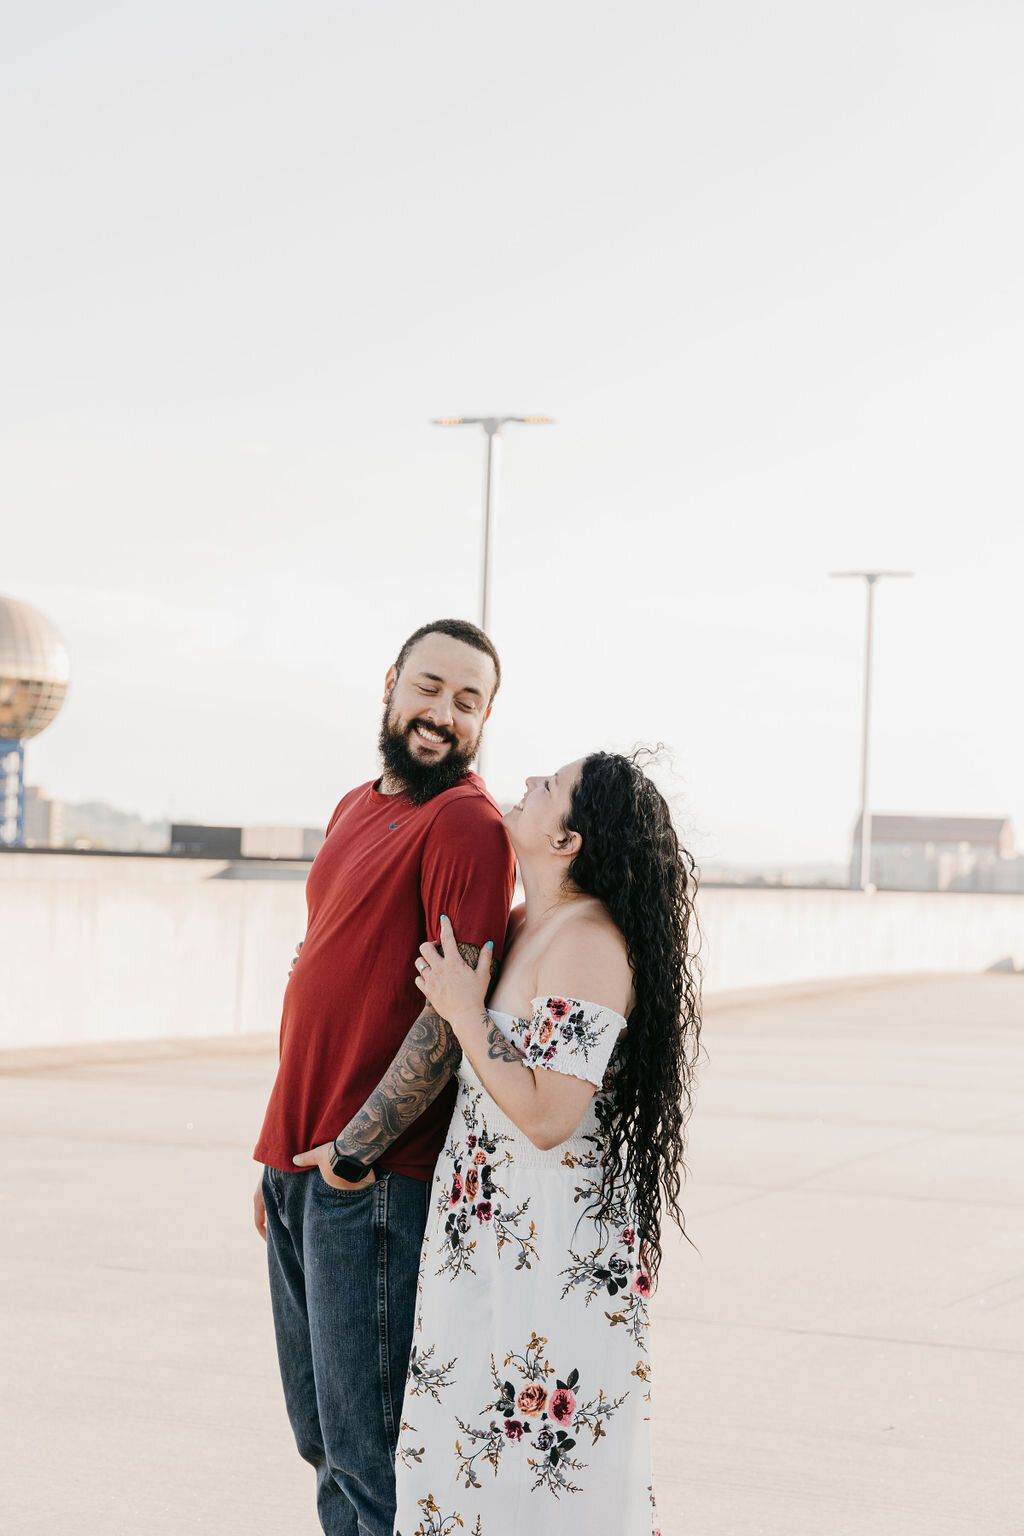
pixel 844 1356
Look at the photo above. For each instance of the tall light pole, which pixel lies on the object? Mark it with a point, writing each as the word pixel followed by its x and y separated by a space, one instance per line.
pixel 492 426
pixel 870 578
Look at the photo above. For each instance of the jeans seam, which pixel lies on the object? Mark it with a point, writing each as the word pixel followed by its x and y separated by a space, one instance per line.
pixel 274 1183
pixel 383 1328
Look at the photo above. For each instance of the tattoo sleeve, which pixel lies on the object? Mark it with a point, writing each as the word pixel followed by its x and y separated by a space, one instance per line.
pixel 428 1057
pixel 498 1048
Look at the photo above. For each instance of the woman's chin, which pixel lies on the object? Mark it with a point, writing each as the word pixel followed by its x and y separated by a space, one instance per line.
pixel 509 821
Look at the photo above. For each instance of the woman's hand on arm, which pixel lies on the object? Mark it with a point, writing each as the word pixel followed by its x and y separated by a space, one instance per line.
pixel 546 1106
pixel 452 988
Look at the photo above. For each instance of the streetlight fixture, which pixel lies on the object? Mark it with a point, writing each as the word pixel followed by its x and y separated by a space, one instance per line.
pixel 871 578
pixel 492 426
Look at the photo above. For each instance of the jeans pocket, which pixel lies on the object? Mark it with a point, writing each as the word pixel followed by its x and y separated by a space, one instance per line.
pixel 346 1196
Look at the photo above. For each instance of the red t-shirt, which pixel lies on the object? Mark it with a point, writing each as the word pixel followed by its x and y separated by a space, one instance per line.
pixel 386 872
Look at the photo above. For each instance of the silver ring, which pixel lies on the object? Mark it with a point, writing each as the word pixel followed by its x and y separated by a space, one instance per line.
pixel 421 965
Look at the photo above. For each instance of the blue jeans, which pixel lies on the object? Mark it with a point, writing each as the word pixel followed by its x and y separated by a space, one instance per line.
pixel 343 1272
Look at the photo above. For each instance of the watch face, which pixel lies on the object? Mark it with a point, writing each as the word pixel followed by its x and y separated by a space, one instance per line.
pixel 348 1168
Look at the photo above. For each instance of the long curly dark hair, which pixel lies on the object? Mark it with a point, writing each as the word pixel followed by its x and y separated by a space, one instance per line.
pixel 633 862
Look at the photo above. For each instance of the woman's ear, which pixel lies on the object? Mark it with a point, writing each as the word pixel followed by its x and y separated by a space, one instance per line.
pixel 567 844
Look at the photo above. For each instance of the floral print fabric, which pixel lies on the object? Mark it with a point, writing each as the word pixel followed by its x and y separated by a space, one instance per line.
pixel 528 1394
pixel 567 1036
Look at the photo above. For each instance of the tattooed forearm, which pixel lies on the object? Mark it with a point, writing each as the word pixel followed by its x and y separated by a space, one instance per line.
pixel 498 1048
pixel 429 1055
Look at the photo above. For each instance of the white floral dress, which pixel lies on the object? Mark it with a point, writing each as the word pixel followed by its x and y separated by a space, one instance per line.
pixel 528 1394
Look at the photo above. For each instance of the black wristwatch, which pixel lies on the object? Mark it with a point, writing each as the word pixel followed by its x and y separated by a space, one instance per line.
pixel 347 1168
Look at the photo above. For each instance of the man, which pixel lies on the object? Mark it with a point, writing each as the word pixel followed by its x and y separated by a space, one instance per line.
pixel 364 1088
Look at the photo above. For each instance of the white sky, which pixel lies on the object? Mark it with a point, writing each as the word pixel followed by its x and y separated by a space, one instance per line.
pixel 761 263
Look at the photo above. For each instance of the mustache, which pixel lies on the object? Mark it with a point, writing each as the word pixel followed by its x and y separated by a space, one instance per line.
pixel 435 730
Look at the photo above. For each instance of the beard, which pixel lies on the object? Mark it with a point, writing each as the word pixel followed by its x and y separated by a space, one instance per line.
pixel 422 781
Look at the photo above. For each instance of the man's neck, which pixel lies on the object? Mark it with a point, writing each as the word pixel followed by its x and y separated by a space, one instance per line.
pixel 388 785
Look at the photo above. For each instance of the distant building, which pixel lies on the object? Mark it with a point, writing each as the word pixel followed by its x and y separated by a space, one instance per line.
pixel 246 842
pixel 206 842
pixel 941 853
pixel 44 820
pixel 281 842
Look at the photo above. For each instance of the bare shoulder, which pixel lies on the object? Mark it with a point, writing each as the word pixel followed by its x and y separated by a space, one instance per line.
pixel 586 958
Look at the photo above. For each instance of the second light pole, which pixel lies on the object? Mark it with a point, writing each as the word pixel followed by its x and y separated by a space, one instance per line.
pixel 870 578
pixel 492 426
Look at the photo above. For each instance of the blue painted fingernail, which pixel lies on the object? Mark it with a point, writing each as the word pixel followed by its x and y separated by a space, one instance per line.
pixel 443 918
pixel 490 944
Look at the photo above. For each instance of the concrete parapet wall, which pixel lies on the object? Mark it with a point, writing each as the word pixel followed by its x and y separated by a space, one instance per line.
pixel 143 959
pixel 109 950
pixel 764 936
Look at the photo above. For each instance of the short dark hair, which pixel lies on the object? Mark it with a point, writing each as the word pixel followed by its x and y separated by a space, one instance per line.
pixel 457 629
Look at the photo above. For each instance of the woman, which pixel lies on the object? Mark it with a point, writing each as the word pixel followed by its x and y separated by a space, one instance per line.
pixel 529 1376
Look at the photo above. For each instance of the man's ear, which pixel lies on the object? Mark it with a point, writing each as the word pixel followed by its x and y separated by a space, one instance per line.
pixel 390 681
